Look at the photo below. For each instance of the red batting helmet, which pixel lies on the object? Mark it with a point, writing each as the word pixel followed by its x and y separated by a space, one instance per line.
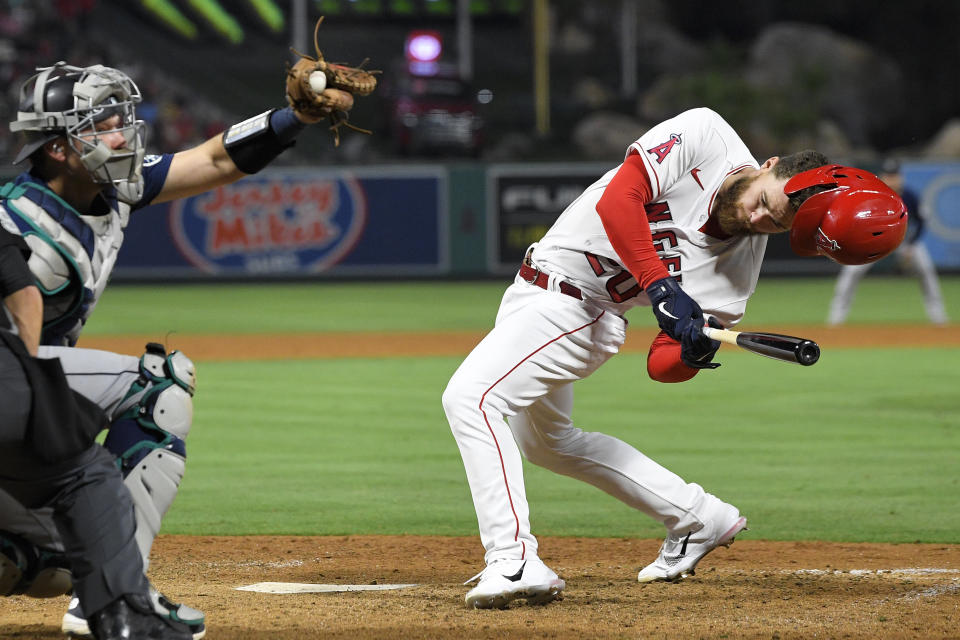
pixel 857 219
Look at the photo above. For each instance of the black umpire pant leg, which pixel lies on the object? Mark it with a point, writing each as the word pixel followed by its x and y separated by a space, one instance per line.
pixel 93 511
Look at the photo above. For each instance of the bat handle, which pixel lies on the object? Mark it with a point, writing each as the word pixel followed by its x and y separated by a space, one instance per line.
pixel 723 335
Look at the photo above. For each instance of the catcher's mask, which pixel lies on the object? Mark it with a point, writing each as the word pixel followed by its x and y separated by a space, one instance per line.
pixel 69 101
pixel 855 219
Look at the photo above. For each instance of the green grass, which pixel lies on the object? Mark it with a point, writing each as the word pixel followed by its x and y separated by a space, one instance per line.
pixel 865 446
pixel 361 446
pixel 432 306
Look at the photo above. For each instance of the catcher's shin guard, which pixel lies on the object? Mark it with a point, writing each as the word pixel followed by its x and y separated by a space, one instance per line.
pixel 148 436
pixel 29 570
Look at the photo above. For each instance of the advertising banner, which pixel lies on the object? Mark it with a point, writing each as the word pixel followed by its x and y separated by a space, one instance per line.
pixel 524 201
pixel 938 188
pixel 297 223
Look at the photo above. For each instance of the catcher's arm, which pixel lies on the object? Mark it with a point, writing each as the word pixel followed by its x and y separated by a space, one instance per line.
pixel 319 90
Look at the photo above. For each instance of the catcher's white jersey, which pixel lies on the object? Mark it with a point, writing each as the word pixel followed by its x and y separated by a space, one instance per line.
pixel 687 158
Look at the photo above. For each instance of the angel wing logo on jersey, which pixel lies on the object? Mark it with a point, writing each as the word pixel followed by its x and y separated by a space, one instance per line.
pixel 663 149
pixel 270 224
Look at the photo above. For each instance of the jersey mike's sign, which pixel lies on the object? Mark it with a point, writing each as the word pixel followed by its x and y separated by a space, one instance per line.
pixel 270 224
pixel 385 221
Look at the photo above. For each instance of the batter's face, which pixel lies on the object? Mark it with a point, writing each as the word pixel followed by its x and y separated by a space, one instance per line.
pixel 752 202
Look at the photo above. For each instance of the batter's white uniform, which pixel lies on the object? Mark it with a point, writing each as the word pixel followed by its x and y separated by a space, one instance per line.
pixel 513 393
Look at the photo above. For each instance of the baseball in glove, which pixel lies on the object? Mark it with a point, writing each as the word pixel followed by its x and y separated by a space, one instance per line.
pixel 317 89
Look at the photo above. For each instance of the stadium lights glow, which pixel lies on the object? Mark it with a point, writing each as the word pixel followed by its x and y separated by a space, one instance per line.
pixel 424 46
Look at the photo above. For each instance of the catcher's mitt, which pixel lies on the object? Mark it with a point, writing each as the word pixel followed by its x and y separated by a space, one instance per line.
pixel 317 89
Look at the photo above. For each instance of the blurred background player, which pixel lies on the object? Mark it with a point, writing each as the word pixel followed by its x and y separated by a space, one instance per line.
pixel 681 225
pixel 912 256
pixel 48 458
pixel 88 173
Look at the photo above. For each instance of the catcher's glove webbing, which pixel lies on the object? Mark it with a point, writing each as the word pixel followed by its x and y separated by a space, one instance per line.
pixel 317 89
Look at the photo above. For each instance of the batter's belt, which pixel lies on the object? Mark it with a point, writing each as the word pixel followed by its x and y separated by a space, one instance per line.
pixel 540 278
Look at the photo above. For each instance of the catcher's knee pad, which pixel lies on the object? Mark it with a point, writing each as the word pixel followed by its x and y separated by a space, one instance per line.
pixel 147 436
pixel 158 409
pixel 26 569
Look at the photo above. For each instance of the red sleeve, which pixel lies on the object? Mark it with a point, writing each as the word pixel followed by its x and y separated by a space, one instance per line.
pixel 621 209
pixel 663 361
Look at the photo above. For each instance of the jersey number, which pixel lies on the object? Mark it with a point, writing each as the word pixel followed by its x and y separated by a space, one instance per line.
pixel 614 283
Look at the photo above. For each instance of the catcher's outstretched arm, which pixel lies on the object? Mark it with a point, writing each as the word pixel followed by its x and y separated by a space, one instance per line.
pixel 244 148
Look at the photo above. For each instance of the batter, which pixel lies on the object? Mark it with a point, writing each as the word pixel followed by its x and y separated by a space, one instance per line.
pixel 681 225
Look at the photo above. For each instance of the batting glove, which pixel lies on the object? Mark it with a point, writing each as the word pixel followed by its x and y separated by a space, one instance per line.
pixel 674 309
pixel 696 349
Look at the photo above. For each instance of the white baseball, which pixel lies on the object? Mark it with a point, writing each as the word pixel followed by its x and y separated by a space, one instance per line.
pixel 318 81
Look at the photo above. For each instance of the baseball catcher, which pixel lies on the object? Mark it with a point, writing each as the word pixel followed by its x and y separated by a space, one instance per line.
pixel 88 174
pixel 318 90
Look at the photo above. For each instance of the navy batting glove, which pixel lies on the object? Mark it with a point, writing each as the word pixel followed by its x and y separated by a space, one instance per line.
pixel 674 309
pixel 696 349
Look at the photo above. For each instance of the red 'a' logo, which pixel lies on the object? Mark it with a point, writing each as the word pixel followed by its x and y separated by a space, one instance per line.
pixel 661 150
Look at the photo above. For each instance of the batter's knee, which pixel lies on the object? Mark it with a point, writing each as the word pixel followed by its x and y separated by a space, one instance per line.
pixel 459 399
pixel 550 450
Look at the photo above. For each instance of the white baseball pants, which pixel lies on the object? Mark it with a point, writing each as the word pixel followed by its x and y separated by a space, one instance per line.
pixel 513 394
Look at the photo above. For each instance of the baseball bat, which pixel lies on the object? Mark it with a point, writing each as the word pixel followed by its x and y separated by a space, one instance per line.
pixel 772 345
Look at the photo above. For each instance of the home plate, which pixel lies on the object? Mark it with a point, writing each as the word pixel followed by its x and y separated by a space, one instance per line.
pixel 299 587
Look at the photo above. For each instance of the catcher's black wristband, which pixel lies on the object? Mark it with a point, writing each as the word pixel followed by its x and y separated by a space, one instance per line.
pixel 257 141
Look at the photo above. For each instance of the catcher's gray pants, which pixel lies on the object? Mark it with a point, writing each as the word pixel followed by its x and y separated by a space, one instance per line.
pixel 92 509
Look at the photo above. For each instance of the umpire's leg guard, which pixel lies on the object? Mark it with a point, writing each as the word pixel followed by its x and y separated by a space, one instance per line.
pixel 147 436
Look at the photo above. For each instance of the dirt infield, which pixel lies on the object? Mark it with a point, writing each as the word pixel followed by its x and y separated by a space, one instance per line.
pixel 754 589
pixel 751 590
pixel 292 346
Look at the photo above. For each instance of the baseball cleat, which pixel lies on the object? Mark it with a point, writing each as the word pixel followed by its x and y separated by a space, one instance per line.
pixel 75 624
pixel 504 581
pixel 679 554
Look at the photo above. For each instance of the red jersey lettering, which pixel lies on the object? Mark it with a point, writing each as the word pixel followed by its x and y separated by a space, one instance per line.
pixel 658 212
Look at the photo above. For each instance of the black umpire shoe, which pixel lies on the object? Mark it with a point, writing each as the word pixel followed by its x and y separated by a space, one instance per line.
pixel 75 621
pixel 132 616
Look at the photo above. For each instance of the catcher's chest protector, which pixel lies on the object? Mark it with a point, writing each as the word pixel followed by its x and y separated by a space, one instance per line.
pixel 73 255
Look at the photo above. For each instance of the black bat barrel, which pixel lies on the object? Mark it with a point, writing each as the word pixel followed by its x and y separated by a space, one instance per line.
pixel 780 347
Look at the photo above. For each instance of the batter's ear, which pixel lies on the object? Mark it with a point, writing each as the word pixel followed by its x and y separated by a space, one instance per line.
pixel 770 163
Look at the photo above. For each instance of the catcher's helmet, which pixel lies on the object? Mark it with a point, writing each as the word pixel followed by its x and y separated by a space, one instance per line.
pixel 69 101
pixel 855 219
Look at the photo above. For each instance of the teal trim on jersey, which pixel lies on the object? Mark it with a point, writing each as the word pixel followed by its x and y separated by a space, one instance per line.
pixel 11 191
pixel 74 267
pixel 47 191
pixel 37 231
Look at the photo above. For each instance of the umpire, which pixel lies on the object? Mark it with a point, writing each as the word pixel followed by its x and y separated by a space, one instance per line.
pixel 48 457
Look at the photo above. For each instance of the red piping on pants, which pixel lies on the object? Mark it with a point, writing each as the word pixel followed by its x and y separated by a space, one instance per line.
pixel 503 467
